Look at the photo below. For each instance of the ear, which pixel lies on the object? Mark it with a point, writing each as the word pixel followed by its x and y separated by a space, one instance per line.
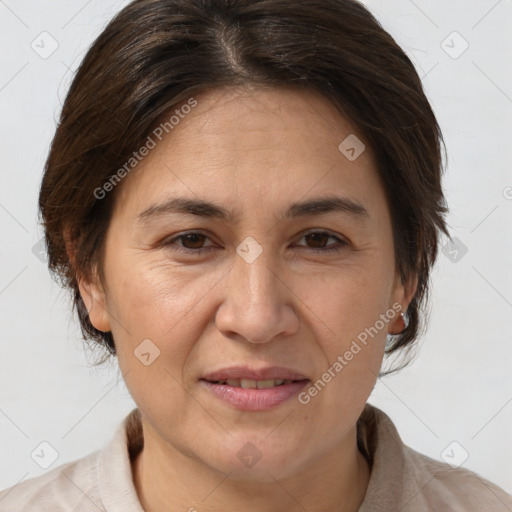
pixel 92 293
pixel 93 296
pixel 403 294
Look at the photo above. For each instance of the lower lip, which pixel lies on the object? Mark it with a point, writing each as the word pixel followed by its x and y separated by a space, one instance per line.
pixel 255 399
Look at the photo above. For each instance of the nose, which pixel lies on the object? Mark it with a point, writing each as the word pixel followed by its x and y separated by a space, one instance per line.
pixel 257 303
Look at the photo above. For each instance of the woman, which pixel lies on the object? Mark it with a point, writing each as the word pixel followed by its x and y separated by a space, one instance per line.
pixel 245 199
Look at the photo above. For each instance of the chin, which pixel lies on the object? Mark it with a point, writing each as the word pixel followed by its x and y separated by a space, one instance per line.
pixel 258 458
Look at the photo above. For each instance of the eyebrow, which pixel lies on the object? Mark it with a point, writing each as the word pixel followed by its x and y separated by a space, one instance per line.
pixel 207 209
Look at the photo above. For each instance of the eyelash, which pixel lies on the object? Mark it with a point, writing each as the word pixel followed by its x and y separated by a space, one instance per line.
pixel 171 243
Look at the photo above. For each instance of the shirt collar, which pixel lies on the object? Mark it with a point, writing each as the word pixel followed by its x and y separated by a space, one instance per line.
pixel 394 482
pixel 115 478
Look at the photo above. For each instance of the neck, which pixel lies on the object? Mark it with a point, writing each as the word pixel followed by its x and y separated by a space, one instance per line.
pixel 167 480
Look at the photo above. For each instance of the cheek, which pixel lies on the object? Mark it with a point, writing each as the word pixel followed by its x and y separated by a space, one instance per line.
pixel 154 334
pixel 150 297
pixel 346 301
pixel 162 304
pixel 347 307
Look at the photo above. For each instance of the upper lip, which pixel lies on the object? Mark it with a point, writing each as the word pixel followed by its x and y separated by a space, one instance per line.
pixel 244 372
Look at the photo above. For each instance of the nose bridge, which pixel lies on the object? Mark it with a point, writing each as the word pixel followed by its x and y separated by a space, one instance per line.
pixel 254 283
pixel 255 304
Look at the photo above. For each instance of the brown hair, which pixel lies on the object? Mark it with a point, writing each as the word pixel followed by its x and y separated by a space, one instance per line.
pixel 155 54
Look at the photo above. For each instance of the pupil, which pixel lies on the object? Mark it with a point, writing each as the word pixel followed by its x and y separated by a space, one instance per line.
pixel 323 236
pixel 193 238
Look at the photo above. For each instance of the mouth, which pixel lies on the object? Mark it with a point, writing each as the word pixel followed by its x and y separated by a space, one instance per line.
pixel 254 390
pixel 246 375
pixel 255 384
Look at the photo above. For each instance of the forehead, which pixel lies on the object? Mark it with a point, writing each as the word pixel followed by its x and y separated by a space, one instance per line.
pixel 254 148
pixel 266 119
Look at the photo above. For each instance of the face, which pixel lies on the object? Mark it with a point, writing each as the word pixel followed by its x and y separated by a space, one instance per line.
pixel 256 279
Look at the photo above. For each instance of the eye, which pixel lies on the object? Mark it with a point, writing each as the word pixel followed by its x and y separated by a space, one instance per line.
pixel 319 239
pixel 193 242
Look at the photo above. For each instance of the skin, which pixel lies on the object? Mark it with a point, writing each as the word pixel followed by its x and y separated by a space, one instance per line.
pixel 253 151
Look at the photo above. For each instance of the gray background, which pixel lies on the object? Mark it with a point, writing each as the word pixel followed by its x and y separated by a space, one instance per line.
pixel 459 389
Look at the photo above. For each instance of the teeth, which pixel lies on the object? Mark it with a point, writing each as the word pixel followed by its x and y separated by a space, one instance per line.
pixel 264 384
pixel 248 384
pixel 254 384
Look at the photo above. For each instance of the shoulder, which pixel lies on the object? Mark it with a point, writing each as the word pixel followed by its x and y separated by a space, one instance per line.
pixel 457 489
pixel 406 480
pixel 101 480
pixel 70 486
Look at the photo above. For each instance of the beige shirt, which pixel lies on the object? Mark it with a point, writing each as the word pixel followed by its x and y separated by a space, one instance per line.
pixel 401 478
